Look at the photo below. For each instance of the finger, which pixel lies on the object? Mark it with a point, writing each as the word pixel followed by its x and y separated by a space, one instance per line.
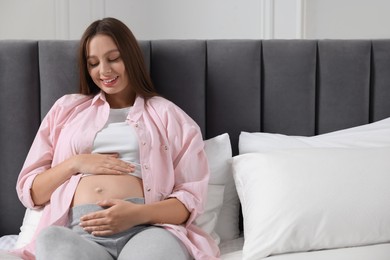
pixel 110 168
pixel 102 233
pixel 91 225
pixel 107 203
pixel 93 216
pixel 125 164
pixel 125 167
pixel 98 229
pixel 120 165
pixel 115 155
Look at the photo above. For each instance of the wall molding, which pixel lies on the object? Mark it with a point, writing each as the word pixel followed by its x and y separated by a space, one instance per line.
pixel 269 27
pixel 267 19
pixel 300 30
pixel 65 10
pixel 293 13
pixel 62 19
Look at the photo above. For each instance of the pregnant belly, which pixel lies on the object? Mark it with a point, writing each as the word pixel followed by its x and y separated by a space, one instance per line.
pixel 94 188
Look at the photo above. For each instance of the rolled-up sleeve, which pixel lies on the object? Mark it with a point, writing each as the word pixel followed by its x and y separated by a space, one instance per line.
pixel 191 170
pixel 37 161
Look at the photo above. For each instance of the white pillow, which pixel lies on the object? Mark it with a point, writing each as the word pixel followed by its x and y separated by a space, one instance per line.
pixel 370 135
pixel 313 198
pixel 219 154
pixel 29 226
pixel 7 242
pixel 219 199
pixel 208 220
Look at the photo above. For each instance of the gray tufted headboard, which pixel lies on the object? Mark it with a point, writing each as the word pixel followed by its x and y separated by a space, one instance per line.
pixel 299 87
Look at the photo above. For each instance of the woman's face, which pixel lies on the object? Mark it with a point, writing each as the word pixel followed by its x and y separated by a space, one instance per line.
pixel 107 70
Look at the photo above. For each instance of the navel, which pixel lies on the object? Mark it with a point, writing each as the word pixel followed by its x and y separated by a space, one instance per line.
pixel 98 189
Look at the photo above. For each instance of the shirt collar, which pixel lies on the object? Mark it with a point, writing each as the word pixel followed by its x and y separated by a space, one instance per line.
pixel 136 110
pixel 100 96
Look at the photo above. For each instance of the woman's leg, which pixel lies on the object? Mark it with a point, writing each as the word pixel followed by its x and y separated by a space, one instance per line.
pixel 61 243
pixel 154 243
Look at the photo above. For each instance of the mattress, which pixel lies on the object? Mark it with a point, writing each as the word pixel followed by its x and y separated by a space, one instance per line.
pixel 232 250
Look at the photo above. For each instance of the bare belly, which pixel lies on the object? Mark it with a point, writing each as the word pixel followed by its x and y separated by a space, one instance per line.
pixel 94 188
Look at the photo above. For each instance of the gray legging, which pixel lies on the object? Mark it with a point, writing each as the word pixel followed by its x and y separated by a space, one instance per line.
pixel 140 242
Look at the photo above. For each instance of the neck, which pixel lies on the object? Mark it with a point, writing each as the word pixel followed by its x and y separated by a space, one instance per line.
pixel 121 102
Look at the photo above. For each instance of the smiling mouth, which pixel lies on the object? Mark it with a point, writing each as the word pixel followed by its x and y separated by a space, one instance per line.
pixel 108 81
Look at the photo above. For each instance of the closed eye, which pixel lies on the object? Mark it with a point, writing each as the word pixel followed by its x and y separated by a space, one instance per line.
pixel 114 59
pixel 91 65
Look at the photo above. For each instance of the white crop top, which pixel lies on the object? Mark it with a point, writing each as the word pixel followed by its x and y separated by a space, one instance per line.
pixel 119 137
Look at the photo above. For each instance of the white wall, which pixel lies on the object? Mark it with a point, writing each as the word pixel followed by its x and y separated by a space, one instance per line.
pixel 347 19
pixel 199 19
pixel 190 19
pixel 150 19
pixel 23 19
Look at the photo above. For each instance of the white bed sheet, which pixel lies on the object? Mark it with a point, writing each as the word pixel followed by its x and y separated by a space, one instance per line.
pixel 232 250
pixel 5 256
pixel 7 242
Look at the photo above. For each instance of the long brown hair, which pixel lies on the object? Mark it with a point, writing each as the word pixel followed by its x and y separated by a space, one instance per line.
pixel 129 50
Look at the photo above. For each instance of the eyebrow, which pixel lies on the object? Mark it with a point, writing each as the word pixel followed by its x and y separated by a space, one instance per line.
pixel 107 53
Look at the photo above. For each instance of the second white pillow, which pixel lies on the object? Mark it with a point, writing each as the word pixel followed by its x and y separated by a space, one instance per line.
pixel 314 198
pixel 376 134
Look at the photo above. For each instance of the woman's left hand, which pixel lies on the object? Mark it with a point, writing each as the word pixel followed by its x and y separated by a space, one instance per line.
pixel 118 216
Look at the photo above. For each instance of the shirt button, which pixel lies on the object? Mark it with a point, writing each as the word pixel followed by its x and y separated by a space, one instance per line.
pixel 146 167
pixel 136 124
pixel 148 189
pixel 144 143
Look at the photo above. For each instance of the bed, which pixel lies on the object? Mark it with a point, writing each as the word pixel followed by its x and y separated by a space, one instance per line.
pixel 296 132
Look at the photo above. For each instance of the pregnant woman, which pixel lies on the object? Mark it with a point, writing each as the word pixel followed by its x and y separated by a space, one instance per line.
pixel 120 171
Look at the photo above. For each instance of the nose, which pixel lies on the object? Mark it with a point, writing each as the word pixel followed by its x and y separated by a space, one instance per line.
pixel 105 68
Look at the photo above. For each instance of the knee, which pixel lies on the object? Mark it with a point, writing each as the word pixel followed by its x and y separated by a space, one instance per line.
pixel 61 243
pixel 51 233
pixel 154 243
pixel 50 238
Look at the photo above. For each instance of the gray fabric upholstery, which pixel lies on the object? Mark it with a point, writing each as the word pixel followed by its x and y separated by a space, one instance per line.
pixel 58 70
pixel 179 72
pixel 19 117
pixel 299 87
pixel 233 76
pixel 343 84
pixel 289 89
pixel 380 80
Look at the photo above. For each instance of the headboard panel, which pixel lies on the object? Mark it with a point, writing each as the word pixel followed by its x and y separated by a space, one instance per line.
pixel 19 118
pixel 297 87
pixel 344 70
pixel 178 69
pixel 58 71
pixel 233 93
pixel 380 80
pixel 289 87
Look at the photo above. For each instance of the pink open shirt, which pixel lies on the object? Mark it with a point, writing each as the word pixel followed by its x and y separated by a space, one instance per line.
pixel 173 160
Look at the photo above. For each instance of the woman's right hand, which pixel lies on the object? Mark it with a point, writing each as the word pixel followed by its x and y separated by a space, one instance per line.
pixel 101 164
pixel 46 182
